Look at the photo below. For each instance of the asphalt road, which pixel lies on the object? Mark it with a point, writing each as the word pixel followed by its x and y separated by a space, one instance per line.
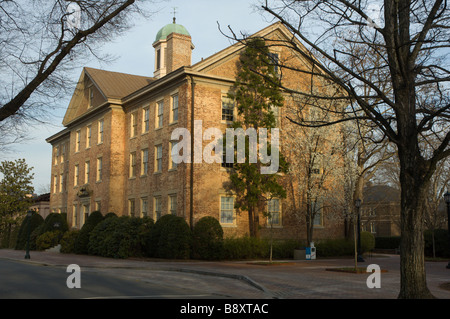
pixel 19 280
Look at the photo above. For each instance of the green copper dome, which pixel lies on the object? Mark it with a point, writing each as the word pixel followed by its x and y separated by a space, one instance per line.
pixel 170 28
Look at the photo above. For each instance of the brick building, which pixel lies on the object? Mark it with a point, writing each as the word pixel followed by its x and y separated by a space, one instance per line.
pixel 114 154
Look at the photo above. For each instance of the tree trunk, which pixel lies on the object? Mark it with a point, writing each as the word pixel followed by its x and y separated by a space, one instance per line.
pixel 413 283
pixel 251 228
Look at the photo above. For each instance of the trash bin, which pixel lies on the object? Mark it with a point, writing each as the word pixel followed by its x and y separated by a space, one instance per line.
pixel 310 252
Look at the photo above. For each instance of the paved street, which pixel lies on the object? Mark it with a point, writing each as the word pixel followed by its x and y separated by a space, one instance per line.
pixel 32 281
pixel 199 279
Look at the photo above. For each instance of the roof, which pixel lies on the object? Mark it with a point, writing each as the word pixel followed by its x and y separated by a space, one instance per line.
pixel 170 28
pixel 117 85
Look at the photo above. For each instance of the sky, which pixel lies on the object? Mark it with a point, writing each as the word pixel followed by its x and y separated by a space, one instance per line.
pixel 135 55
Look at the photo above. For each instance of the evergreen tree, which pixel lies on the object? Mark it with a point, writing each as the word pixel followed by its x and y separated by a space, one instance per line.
pixel 15 195
pixel 257 94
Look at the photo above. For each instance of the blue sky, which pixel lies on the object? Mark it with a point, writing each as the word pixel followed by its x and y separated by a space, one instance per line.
pixel 135 55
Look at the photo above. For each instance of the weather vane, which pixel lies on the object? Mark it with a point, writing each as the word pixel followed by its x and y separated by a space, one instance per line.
pixel 174 13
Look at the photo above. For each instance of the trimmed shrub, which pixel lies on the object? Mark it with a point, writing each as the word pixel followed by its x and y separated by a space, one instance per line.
pixel 245 248
pixel 207 239
pixel 335 247
pixel 48 239
pixel 111 214
pixel 387 242
pixel 144 235
pixel 120 237
pixel 440 243
pixel 367 242
pixel 124 241
pixel 68 241
pixel 82 240
pixel 173 237
pixel 99 236
pixel 36 221
pixel 55 221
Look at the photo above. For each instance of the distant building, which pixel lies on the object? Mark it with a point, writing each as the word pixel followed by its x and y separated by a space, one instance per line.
pixel 115 153
pixel 41 204
pixel 380 211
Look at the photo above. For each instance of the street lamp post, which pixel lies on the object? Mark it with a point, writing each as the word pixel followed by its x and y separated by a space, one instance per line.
pixel 447 201
pixel 29 214
pixel 358 206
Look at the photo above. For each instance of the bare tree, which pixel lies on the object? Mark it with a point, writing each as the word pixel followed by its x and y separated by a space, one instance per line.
pixel 41 42
pixel 315 170
pixel 410 39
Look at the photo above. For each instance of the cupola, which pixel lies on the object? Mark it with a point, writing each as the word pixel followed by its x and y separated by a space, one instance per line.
pixel 173 49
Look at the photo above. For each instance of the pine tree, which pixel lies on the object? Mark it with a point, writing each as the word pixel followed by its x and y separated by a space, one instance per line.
pixel 257 93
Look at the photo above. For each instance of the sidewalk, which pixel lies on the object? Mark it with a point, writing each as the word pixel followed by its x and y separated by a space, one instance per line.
pixel 244 280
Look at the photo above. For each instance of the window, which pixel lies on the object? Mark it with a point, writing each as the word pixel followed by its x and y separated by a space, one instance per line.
pixel 133 129
pixel 76 175
pixel 56 155
pixel 133 164
pixel 87 168
pixel 144 162
pixel 273 208
pixel 316 209
pixel 77 140
pixel 174 108
pixel 100 131
pixel 157 208
pixel 145 120
pixel 91 97
pixel 99 169
pixel 144 207
pixel 158 156
pixel 63 152
pixel 158 59
pixel 86 211
pixel 224 161
pixel 159 114
pixel 74 216
pixel 61 182
pixel 88 136
pixel 55 183
pixel 273 57
pixel 131 207
pixel 227 109
pixel 173 165
pixel 173 204
pixel 226 210
pixel 98 205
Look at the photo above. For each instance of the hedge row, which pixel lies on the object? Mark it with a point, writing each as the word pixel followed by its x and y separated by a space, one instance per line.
pixel 122 237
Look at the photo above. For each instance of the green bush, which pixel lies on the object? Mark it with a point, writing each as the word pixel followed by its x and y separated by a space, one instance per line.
pixel 207 239
pixel 367 242
pixel 82 240
pixel 284 249
pixel 22 237
pixel 99 237
pixel 120 237
pixel 174 237
pixel 335 247
pixel 48 239
pixel 387 242
pixel 55 221
pixel 124 242
pixel 441 245
pixel 68 241
pixel 236 248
